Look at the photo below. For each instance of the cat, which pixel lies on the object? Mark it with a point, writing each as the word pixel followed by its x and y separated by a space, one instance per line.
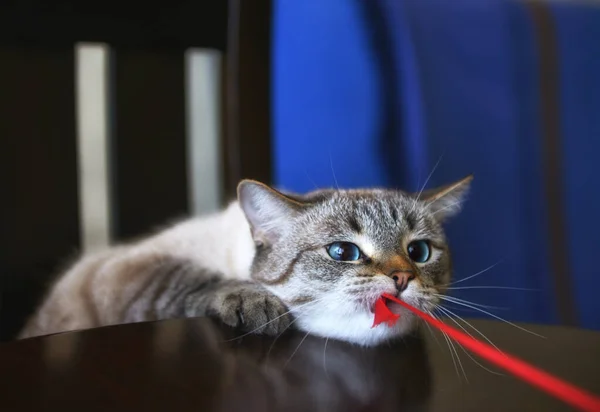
pixel 269 260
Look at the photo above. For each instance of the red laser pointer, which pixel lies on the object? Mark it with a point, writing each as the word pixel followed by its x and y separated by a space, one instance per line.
pixel 550 384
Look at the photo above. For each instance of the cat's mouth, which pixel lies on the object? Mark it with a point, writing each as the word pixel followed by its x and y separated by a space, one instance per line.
pixel 419 301
pixel 374 301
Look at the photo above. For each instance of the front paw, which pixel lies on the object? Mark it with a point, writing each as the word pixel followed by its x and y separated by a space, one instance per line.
pixel 251 308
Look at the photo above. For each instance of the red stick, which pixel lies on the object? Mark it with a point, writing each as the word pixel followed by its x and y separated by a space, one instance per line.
pixel 556 387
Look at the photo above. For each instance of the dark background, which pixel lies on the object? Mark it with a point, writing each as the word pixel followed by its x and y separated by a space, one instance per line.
pixel 38 167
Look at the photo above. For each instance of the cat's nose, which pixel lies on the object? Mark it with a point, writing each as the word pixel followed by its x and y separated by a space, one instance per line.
pixel 402 277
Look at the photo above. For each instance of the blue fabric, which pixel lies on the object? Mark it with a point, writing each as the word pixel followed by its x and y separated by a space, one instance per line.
pixel 379 92
pixel 477 62
pixel 578 26
pixel 326 95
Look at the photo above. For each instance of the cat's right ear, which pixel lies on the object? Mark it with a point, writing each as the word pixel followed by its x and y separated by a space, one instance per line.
pixel 268 211
pixel 446 201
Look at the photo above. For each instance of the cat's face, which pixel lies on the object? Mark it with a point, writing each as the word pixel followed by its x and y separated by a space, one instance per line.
pixel 331 254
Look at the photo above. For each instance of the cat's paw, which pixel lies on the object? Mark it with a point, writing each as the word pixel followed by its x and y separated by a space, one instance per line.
pixel 251 308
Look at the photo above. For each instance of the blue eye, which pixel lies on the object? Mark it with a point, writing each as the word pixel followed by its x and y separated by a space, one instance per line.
pixel 419 251
pixel 344 251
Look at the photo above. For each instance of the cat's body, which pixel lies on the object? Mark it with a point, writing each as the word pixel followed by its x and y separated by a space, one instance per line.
pixel 265 256
pixel 99 288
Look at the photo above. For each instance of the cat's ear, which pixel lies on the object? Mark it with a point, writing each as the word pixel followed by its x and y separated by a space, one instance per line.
pixel 446 201
pixel 268 211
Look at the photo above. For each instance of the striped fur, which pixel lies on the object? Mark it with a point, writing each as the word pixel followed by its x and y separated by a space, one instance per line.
pixel 261 262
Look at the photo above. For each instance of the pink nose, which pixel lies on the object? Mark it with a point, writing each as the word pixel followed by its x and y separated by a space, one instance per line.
pixel 402 278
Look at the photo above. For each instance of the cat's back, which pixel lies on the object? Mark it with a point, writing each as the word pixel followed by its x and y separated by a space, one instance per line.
pixel 95 289
pixel 220 242
pixel 66 306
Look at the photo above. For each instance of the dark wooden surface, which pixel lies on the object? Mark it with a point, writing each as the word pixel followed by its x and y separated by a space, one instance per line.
pixel 196 365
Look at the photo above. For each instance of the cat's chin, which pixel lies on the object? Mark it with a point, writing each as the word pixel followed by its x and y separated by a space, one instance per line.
pixel 357 328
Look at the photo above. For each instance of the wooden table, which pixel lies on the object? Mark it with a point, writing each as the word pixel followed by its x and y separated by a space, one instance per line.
pixel 197 365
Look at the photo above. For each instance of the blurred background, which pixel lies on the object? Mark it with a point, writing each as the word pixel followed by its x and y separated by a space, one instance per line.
pixel 115 121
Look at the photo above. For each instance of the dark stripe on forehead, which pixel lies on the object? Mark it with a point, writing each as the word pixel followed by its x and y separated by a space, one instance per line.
pixel 354 225
pixel 411 220
pixel 394 214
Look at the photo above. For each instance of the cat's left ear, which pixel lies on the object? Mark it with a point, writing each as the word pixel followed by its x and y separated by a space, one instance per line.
pixel 268 211
pixel 446 201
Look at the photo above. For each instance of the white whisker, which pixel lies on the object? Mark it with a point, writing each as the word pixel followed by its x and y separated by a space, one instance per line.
pixel 325 357
pixel 337 186
pixel 431 330
pixel 459 360
pixel 456 300
pixel 476 274
pixel 479 364
pixel 448 315
pixel 311 180
pixel 462 309
pixel 453 351
pixel 492 287
pixel 494 316
pixel 273 320
pixel 296 350
pixel 279 335
pixel 416 200
pixel 468 324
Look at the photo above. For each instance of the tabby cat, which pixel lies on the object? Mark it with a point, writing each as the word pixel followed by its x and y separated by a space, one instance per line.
pixel 268 260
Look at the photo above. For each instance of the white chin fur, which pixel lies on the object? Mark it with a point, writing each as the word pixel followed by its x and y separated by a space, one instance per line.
pixel 356 328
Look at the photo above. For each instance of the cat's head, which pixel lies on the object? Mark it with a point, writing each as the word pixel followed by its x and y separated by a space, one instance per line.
pixel 330 254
